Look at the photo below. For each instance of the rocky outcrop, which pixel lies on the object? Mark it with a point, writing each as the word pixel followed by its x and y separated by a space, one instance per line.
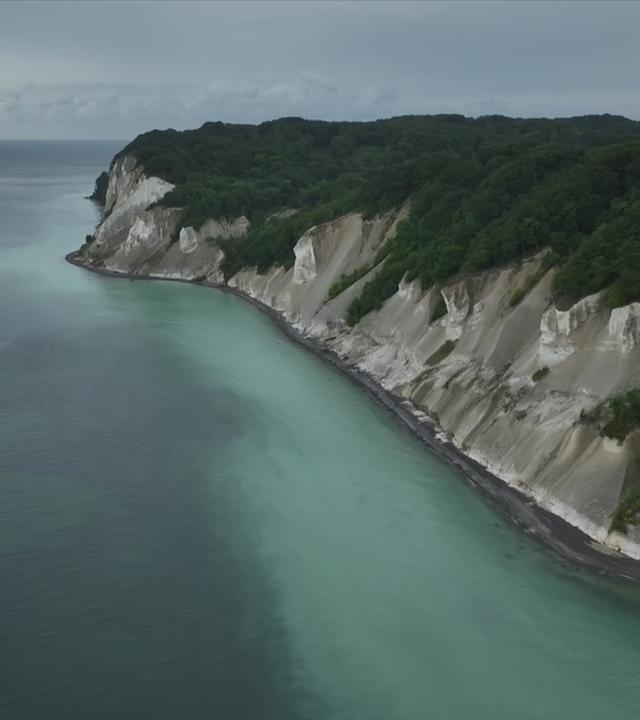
pixel 99 193
pixel 624 326
pixel 557 327
pixel 138 236
pixel 471 370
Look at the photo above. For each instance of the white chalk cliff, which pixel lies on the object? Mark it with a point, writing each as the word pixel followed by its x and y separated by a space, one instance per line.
pixel 481 394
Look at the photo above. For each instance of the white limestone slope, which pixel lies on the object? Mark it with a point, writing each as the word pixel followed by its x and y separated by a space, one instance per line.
pixel 137 236
pixel 322 255
pixel 481 393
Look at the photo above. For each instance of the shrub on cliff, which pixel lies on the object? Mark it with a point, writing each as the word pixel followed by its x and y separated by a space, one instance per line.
pixel 439 309
pixel 616 417
pixel 375 292
pixel 442 352
pixel 540 374
pixel 346 281
pixel 628 510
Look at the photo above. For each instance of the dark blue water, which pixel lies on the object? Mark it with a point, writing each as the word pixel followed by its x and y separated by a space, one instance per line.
pixel 122 586
pixel 198 519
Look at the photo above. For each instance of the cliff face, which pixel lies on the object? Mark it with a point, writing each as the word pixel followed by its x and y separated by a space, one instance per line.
pixel 136 236
pixel 472 370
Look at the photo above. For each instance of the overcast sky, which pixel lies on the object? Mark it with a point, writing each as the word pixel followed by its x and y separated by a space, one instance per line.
pixel 114 69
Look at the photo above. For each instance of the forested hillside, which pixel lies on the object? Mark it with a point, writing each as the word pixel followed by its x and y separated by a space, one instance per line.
pixel 483 192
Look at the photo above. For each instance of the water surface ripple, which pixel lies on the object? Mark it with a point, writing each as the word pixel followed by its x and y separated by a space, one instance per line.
pixel 200 519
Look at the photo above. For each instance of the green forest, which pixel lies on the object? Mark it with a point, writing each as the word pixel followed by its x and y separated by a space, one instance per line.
pixel 483 192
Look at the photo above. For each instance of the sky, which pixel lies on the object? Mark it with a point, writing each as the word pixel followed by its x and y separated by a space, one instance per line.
pixel 114 69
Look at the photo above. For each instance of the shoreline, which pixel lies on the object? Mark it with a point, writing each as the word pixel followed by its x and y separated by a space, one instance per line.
pixel 563 540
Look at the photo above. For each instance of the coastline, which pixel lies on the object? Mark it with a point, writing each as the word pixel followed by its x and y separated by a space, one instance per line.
pixel 565 541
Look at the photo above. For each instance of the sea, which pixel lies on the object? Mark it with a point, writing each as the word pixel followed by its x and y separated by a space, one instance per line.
pixel 200 519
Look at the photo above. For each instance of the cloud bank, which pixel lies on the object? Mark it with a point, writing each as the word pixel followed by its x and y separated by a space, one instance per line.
pixel 96 70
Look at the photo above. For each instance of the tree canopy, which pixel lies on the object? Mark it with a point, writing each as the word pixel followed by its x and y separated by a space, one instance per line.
pixel 483 192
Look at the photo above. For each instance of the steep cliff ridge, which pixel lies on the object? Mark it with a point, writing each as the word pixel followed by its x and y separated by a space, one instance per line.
pixel 505 382
pixel 136 235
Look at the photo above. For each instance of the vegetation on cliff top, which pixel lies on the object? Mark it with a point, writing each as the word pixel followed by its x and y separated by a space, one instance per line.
pixel 483 192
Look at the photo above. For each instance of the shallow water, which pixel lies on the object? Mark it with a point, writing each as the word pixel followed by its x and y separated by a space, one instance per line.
pixel 200 519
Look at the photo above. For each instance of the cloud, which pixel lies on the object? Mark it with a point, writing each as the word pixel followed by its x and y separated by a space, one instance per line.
pixel 116 69
pixel 121 111
pixel 309 95
pixel 140 107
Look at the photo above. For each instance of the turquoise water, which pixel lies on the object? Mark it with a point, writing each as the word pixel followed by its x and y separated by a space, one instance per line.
pixel 200 519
